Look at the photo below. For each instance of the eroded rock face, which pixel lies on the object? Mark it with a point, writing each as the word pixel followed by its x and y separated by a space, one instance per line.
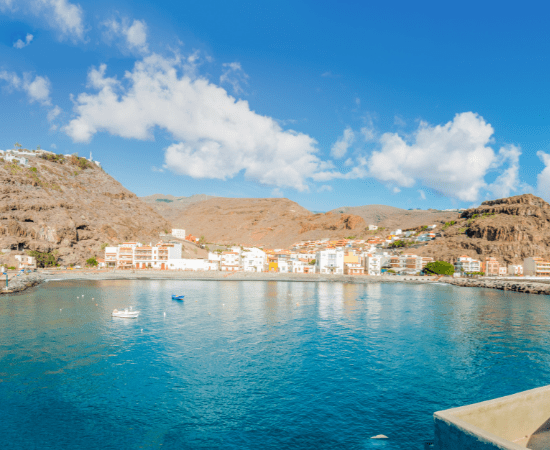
pixel 509 229
pixel 60 207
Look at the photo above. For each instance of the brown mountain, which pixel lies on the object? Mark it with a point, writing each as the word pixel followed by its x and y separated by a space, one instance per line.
pixel 509 229
pixel 70 206
pixel 268 222
pixel 171 207
pixel 391 217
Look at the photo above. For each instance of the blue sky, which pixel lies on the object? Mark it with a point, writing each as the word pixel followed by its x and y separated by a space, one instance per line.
pixel 329 104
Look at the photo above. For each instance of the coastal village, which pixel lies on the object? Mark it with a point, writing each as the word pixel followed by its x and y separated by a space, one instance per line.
pixel 340 257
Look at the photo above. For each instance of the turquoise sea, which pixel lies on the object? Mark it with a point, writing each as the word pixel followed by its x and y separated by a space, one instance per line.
pixel 257 365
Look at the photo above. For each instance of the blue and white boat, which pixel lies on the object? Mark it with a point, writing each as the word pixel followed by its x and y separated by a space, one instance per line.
pixel 177 297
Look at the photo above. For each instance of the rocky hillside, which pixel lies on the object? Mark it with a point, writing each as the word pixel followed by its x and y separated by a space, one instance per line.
pixel 392 218
pixel 171 207
pixel 269 222
pixel 69 206
pixel 509 229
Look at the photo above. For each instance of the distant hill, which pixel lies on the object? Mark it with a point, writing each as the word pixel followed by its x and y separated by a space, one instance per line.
pixel 510 229
pixel 171 207
pixel 269 222
pixel 391 217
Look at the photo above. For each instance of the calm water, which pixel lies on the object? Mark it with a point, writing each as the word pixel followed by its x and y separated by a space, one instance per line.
pixel 257 365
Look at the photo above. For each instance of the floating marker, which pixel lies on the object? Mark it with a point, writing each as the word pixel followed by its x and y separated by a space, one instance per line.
pixel 379 436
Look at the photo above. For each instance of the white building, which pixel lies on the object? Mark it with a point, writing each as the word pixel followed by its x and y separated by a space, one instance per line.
pixel 178 233
pixel 329 261
pixel 9 157
pixel 26 262
pixel 373 228
pixel 230 262
pixel 253 259
pixel 373 264
pixel 398 232
pixel 536 266
pixel 192 264
pixel 515 269
pixel 283 265
pixel 135 255
pixel 466 264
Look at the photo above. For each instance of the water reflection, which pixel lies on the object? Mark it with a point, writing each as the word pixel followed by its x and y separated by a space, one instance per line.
pixel 250 364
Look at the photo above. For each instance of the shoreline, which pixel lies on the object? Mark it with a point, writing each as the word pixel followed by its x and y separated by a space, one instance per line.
pixel 232 276
pixel 525 286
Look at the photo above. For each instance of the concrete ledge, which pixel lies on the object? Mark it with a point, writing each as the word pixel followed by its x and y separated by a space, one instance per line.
pixel 513 422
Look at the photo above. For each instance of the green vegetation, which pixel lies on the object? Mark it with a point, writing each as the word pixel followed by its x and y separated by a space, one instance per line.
pixel 474 273
pixel 17 145
pixel 400 244
pixel 439 268
pixel 424 228
pixel 312 262
pixel 104 246
pixel 11 268
pixel 92 262
pixel 44 259
pixel 350 237
pixel 53 158
pixel 33 169
pixel 202 240
pixel 81 163
pixel 390 271
pixel 462 230
pixel 448 224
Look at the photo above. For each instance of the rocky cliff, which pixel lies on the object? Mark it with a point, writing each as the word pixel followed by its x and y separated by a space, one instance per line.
pixel 69 206
pixel 509 229
pixel 268 222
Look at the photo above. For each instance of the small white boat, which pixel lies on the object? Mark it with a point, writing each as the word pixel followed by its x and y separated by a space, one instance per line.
pixel 126 314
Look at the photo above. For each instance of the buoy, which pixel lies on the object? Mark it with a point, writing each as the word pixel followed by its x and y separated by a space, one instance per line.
pixel 379 436
pixel 208 313
pixel 164 314
pixel 142 330
pixel 60 309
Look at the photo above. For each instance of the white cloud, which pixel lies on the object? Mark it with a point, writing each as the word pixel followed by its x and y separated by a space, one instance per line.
pixel 422 194
pixel 157 169
pixel 340 147
pixel 22 44
pixel 216 136
pixel 53 113
pixel 368 133
pixel 277 192
pixel 67 18
pixel 325 188
pixel 452 159
pixel 508 181
pixel 37 88
pixel 543 178
pixel 234 75
pixel 53 146
pixel 134 34
pixel 396 190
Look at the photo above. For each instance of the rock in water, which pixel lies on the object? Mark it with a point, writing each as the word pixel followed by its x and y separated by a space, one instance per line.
pixel 379 436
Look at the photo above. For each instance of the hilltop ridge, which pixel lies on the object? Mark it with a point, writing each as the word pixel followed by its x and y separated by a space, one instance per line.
pixel 509 229
pixel 71 207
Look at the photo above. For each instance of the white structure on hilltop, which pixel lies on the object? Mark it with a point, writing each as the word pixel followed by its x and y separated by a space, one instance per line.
pixel 253 260
pixel 178 233
pixel 329 261
pixel 373 228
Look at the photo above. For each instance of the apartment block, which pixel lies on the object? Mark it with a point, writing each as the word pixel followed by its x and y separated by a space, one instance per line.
pixel 536 267
pixel 330 261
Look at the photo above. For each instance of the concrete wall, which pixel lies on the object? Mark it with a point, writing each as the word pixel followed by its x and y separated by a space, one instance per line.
pixel 504 423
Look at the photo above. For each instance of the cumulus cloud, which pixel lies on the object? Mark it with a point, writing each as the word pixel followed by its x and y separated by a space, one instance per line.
pixel 452 159
pixel 340 147
pixel 65 17
pixel 37 88
pixel 234 75
pixel 508 181
pixel 23 43
pixel 216 136
pixel 325 188
pixel 543 178
pixel 134 34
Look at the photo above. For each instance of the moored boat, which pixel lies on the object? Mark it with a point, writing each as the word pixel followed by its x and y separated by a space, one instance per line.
pixel 126 314
pixel 177 297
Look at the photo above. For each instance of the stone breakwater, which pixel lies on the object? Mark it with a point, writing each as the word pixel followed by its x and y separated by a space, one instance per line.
pixel 20 283
pixel 524 286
